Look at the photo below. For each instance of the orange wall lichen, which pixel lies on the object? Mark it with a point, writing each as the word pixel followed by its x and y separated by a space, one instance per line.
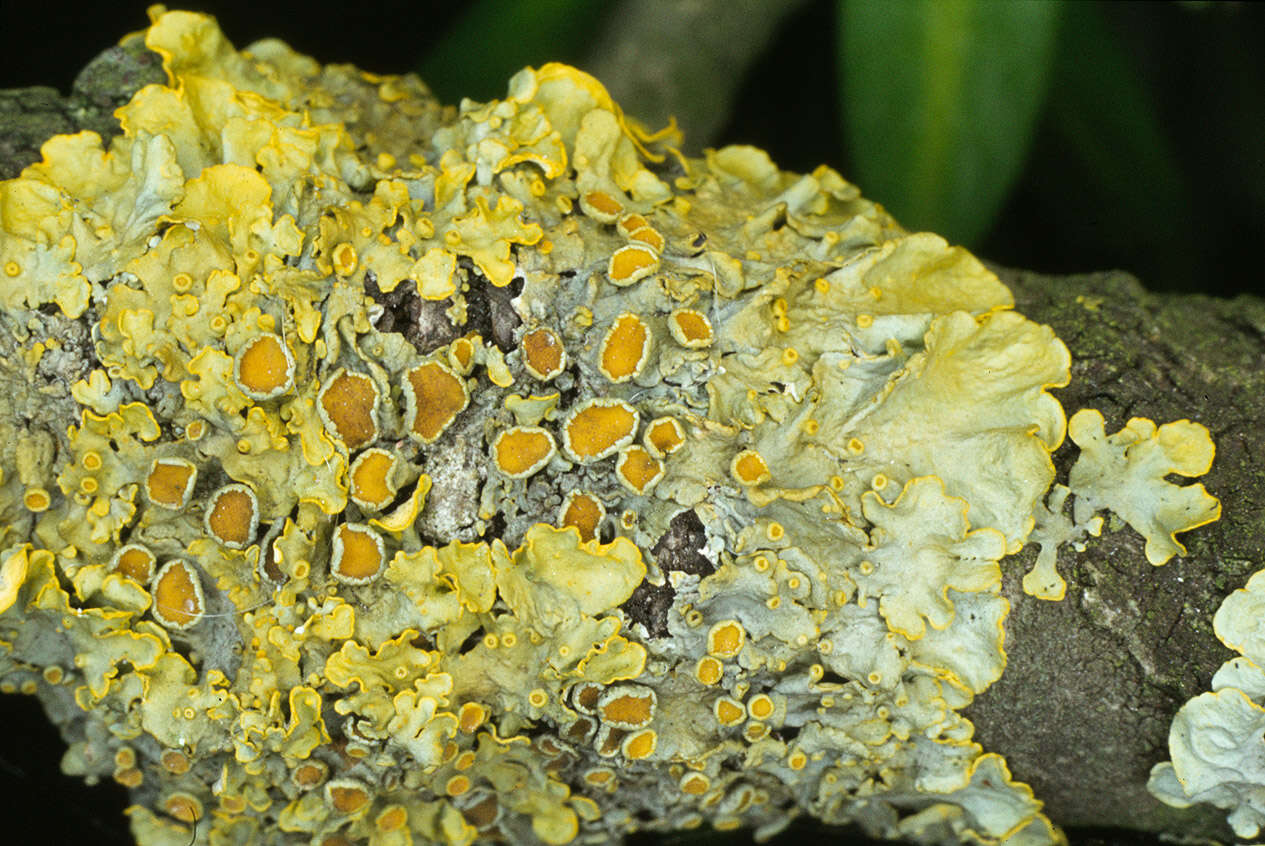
pixel 321 570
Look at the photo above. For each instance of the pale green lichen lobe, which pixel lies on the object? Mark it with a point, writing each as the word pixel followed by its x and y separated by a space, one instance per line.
pixel 499 472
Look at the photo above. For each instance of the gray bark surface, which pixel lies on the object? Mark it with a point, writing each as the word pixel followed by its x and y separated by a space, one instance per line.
pixel 30 116
pixel 1093 681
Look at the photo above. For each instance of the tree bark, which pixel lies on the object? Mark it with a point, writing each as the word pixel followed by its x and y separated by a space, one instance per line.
pixel 30 116
pixel 1092 682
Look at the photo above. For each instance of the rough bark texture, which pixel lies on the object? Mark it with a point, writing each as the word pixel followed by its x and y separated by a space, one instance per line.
pixel 30 116
pixel 1092 683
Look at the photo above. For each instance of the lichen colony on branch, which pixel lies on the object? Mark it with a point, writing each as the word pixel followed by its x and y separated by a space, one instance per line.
pixel 380 472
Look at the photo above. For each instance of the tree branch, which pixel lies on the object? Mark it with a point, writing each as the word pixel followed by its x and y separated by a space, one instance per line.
pixel 1083 710
pixel 1092 682
pixel 683 58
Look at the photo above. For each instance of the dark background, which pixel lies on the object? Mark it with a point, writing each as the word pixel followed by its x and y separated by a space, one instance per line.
pixel 1185 212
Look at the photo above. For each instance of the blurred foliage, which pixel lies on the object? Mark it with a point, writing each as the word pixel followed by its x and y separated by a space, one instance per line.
pixel 1145 151
pixel 524 32
pixel 1059 137
pixel 940 98
pixel 1116 154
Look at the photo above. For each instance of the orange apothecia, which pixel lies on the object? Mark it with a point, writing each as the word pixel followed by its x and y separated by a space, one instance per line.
pixel 663 436
pixel 601 206
pixel 760 706
pixel 690 328
pixel 630 223
pixel 170 482
pixel 471 716
pixel 728 711
pixel 544 357
pixel 635 227
pixel 694 784
pixel 520 451
pixel 584 511
pixel 232 516
pixel 348 406
pixel 627 706
pixel 134 561
pixel 358 554
pixel 344 259
pixel 392 818
pixel 598 428
pixel 608 741
pixel 584 697
pixel 183 806
pixel 625 348
pixel 649 236
pixel 749 468
pixel 725 639
pixel 638 470
pixel 603 777
pixel 36 500
pixel 639 745
pixel 174 761
pixel 632 263
pixel 347 796
pixel 178 599
pixel 372 477
pixel 433 397
pixel 309 774
pixel 461 354
pixel 264 367
pixel 709 670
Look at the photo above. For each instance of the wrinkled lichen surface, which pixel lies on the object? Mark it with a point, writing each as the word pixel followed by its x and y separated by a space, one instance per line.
pixel 1215 738
pixel 433 474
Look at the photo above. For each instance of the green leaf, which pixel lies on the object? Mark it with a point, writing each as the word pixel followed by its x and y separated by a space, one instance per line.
pixel 493 39
pixel 1113 145
pixel 939 102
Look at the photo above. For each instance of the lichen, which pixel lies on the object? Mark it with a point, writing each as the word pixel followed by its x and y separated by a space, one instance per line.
pixel 1216 736
pixel 499 472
